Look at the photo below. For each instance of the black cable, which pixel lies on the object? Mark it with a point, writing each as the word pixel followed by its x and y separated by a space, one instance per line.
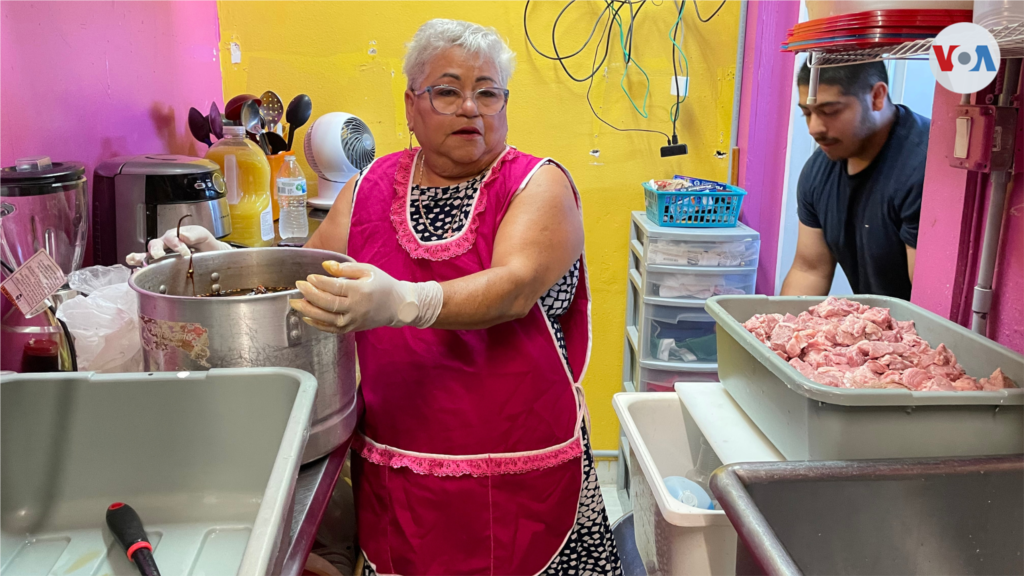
pixel 53 310
pixel 70 340
pixel 629 35
pixel 675 72
pixel 549 57
pixel 606 36
pixel 717 10
pixel 594 69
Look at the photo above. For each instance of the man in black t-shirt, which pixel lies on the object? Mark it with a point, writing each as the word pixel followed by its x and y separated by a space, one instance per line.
pixel 859 194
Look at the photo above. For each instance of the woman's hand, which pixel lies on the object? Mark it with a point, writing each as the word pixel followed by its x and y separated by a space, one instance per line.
pixel 195 237
pixel 360 297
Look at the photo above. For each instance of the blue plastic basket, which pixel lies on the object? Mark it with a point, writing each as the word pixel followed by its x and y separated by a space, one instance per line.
pixel 705 204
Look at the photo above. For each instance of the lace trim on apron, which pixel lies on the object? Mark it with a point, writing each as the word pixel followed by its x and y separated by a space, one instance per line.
pixel 444 250
pixel 477 465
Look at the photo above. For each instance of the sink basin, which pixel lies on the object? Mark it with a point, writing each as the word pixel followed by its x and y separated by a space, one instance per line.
pixel 902 516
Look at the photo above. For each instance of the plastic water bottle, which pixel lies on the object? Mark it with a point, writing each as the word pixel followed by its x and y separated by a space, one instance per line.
pixel 291 194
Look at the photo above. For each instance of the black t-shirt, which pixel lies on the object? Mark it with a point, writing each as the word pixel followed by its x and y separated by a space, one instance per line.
pixel 869 218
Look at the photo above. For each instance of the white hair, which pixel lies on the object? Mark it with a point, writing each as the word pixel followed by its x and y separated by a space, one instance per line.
pixel 439 34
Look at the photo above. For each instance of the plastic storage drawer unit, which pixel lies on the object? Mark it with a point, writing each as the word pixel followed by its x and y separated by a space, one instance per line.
pixel 697 284
pixel 703 253
pixel 808 421
pixel 658 376
pixel 728 247
pixel 678 334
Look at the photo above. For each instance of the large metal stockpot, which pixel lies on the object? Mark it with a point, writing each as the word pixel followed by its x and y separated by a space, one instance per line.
pixel 183 332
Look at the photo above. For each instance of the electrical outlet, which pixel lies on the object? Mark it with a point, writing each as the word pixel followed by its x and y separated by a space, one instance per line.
pixel 683 83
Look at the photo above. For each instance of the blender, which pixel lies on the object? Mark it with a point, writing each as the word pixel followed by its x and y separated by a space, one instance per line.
pixel 42 207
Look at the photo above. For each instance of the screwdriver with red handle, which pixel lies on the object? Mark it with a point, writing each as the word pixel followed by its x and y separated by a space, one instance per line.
pixel 126 526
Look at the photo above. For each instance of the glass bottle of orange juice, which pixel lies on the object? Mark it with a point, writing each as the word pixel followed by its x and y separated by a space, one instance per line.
pixel 247 179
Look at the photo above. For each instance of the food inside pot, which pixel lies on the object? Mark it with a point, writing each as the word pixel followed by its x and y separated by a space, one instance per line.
pixel 246 292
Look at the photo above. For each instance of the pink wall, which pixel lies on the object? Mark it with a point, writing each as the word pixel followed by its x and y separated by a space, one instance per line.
pixel 88 81
pixel 765 97
pixel 953 213
pixel 943 205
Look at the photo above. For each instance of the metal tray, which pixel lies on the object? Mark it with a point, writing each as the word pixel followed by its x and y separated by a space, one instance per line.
pixel 208 459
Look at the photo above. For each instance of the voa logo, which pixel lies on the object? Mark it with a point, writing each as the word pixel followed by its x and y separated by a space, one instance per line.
pixel 964 58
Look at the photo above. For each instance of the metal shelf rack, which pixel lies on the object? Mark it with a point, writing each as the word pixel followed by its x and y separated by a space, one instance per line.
pixel 1010 39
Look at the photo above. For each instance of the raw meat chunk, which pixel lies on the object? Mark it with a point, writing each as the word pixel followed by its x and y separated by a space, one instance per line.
pixel 781 336
pixel 997 381
pixel 916 379
pixel 966 384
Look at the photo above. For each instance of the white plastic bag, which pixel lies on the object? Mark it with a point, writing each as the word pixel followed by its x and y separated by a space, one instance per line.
pixel 91 279
pixel 104 324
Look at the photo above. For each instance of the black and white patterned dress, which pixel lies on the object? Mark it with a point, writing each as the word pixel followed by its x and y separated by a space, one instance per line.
pixel 442 212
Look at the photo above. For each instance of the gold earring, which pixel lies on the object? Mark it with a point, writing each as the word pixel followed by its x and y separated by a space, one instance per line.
pixel 410 138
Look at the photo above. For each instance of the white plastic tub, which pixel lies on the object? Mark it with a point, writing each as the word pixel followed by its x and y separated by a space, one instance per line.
pixel 672 538
pixel 208 459
pixel 991 14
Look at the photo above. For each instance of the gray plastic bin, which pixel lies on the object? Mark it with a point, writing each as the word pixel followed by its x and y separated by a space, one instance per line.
pixel 809 421
pixel 208 459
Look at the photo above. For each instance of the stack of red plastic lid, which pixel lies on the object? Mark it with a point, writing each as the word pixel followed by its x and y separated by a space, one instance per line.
pixel 870 29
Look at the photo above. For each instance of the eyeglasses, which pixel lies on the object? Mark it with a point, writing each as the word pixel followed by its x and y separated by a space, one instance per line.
pixel 448 99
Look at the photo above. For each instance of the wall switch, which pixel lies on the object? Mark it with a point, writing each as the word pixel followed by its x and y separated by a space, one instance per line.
pixel 683 84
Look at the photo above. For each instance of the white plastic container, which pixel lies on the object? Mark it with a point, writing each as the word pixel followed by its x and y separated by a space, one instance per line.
pixel 824 8
pixel 664 441
pixel 998 13
pixel 672 538
pixel 208 459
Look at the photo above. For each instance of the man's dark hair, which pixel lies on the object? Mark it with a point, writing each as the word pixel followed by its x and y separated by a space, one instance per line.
pixel 853 80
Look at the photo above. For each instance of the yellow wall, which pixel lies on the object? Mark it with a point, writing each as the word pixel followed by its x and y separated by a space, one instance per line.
pixel 348 57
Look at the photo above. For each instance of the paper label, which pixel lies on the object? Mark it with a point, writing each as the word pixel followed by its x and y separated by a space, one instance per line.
pixel 708 259
pixel 31 284
pixel 189 337
pixel 267 224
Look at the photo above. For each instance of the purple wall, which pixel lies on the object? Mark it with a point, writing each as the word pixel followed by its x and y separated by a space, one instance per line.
pixel 88 81
pixel 765 99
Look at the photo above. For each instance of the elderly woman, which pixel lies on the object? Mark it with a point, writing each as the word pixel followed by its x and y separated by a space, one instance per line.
pixel 471 308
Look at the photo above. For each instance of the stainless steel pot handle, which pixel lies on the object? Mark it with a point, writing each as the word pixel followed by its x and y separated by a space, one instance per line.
pixel 146 261
pixel 293 326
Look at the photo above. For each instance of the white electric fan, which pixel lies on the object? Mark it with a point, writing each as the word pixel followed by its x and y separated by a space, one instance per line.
pixel 337 146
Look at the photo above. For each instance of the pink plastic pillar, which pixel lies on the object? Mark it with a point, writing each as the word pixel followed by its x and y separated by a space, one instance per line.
pixel 765 100
pixel 943 204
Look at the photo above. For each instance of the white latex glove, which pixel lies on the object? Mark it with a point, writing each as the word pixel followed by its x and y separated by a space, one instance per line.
pixel 360 297
pixel 195 237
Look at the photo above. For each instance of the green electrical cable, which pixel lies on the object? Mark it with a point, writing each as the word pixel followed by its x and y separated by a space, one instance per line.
pixel 628 58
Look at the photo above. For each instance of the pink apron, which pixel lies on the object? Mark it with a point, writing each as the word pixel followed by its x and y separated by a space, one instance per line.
pixel 469 440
